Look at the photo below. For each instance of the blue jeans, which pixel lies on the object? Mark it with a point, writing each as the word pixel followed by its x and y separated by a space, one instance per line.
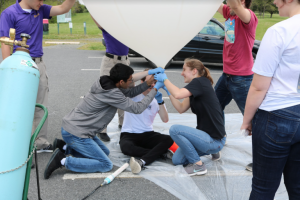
pixel 193 143
pixel 233 87
pixel 276 150
pixel 90 154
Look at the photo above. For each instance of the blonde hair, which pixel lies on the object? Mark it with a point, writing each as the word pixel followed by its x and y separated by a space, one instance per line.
pixel 197 64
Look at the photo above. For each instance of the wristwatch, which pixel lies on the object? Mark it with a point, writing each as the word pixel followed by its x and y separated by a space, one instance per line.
pixel 161 103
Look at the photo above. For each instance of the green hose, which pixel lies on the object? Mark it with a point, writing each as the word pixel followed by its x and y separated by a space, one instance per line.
pixel 31 147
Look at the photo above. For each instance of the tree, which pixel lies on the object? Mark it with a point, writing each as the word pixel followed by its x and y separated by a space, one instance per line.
pixel 263 6
pixel 272 9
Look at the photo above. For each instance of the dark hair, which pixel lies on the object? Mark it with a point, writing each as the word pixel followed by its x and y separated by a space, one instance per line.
pixel 248 3
pixel 143 79
pixel 120 72
pixel 197 64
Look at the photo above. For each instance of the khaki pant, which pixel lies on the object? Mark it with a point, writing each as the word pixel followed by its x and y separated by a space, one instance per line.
pixel 106 65
pixel 42 98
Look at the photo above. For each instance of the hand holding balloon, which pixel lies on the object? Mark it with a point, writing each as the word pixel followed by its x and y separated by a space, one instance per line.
pixel 159 85
pixel 161 77
pixel 150 81
pixel 155 71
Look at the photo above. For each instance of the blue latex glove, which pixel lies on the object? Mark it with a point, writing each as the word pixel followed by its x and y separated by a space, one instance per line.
pixel 160 77
pixel 165 88
pixel 159 85
pixel 156 70
pixel 158 97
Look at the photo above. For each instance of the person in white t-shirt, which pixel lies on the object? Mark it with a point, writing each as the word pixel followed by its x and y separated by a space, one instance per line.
pixel 138 138
pixel 272 111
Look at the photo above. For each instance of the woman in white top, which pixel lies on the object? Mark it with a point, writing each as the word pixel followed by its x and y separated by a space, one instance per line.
pixel 272 110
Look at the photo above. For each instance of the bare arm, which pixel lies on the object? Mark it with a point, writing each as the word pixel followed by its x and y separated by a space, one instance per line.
pixel 63 8
pixel 176 92
pixel 163 113
pixel 220 10
pixel 5 50
pixel 96 22
pixel 242 12
pixel 181 107
pixel 138 76
pixel 256 95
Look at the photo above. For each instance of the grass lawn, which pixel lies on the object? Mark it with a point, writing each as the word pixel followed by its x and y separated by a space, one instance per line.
pixel 94 32
pixel 263 24
pixel 77 31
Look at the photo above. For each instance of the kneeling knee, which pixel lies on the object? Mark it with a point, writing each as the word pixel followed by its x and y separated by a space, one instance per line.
pixel 174 129
pixel 108 167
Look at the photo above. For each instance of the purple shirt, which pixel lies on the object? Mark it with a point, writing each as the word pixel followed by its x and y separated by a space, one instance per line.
pixel 31 23
pixel 113 46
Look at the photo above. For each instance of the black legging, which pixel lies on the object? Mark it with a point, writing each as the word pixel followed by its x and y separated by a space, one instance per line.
pixel 148 146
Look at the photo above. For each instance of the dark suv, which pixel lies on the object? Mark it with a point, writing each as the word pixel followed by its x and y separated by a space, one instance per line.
pixel 207 46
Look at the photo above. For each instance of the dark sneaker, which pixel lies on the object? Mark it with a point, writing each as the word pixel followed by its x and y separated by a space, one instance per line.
pixel 57 143
pixel 194 169
pixel 48 149
pixel 120 126
pixel 136 165
pixel 54 163
pixel 249 167
pixel 216 156
pixel 104 137
pixel 169 154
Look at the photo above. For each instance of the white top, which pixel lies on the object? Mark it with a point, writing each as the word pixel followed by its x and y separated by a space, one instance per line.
pixel 279 57
pixel 140 123
pixel 28 10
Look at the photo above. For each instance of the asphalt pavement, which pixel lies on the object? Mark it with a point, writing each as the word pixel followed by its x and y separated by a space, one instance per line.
pixel 71 73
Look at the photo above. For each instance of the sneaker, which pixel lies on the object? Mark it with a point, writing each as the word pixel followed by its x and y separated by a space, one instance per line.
pixel 249 167
pixel 194 169
pixel 57 143
pixel 169 154
pixel 136 165
pixel 47 149
pixel 216 156
pixel 104 137
pixel 54 163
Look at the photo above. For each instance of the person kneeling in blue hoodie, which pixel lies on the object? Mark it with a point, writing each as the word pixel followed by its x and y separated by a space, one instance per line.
pixel 93 114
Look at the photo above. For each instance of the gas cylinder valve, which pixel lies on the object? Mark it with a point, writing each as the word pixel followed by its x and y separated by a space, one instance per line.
pixel 11 40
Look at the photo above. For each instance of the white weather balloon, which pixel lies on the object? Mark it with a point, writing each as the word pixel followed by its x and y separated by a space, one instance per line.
pixel 157 29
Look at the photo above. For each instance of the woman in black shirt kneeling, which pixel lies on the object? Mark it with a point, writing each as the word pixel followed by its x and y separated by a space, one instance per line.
pixel 209 136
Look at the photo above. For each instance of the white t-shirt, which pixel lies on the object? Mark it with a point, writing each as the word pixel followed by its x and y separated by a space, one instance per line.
pixel 279 57
pixel 28 10
pixel 140 123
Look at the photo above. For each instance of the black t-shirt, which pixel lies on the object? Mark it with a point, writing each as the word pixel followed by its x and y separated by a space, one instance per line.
pixel 205 104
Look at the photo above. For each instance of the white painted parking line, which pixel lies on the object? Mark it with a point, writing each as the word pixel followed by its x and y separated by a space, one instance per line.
pixel 98 175
pixel 69 176
pixel 90 69
pixel 136 70
pixel 129 57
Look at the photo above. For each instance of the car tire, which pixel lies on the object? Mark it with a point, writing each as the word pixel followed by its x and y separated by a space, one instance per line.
pixel 254 56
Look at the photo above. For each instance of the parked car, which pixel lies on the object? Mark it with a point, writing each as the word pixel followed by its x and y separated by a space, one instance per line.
pixel 207 46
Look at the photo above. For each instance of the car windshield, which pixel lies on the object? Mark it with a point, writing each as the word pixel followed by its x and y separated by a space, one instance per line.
pixel 212 28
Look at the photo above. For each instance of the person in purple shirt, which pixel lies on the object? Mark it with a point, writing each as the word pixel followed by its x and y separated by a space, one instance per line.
pixel 26 16
pixel 116 52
